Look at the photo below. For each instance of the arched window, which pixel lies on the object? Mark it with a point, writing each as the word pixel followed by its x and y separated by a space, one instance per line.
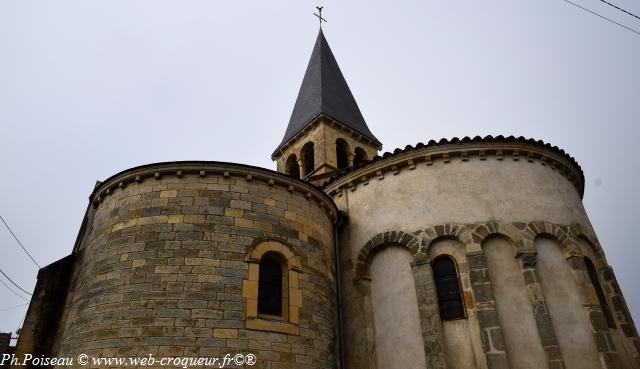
pixel 445 276
pixel 270 287
pixel 291 166
pixel 308 158
pixel 272 291
pixel 360 156
pixel 595 281
pixel 342 152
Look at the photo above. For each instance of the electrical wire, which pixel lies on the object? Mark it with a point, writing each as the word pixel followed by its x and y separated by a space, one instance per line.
pixel 14 283
pixel 14 307
pixel 20 243
pixel 619 8
pixel 601 16
pixel 14 292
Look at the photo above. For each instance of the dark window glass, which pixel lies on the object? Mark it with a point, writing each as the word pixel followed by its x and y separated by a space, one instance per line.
pixel 341 154
pixel 448 289
pixel 270 287
pixel 595 281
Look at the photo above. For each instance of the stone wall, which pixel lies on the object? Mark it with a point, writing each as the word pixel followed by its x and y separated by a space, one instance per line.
pixel 163 268
pixel 40 333
pixel 324 132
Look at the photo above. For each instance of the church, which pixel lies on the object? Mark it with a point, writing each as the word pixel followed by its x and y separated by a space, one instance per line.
pixel 462 253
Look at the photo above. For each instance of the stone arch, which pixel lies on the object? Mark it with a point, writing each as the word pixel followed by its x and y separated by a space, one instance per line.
pixel 292 294
pixel 379 241
pixel 308 156
pixel 483 232
pixel 360 156
pixel 580 232
pixel 291 166
pixel 457 232
pixel 598 260
pixel 562 235
pixel 262 246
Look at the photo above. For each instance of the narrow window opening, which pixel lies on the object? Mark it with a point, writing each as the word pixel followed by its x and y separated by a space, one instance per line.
pixel 360 156
pixel 595 281
pixel 342 153
pixel 270 287
pixel 447 284
pixel 291 167
pixel 308 158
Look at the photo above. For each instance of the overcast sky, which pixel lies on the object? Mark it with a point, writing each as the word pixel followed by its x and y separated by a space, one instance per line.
pixel 90 88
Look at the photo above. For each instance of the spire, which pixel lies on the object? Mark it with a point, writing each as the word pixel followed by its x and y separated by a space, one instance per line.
pixel 325 91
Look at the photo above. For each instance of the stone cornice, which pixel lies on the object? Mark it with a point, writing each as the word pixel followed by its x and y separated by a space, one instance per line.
pixel 498 148
pixel 206 168
pixel 333 123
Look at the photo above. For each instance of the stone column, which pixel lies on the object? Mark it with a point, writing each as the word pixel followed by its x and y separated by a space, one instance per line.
pixel 546 331
pixel 430 322
pixel 301 167
pixel 492 338
pixel 350 157
pixel 622 315
pixel 604 342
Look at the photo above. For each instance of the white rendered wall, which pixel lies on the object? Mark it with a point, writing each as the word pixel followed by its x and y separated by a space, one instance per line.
pixel 460 192
pixel 399 343
pixel 458 345
pixel 567 315
pixel 524 349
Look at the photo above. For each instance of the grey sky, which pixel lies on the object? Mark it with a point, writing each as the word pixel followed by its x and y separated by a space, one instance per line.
pixel 90 88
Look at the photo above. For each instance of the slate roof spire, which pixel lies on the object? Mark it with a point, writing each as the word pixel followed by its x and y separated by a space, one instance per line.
pixel 325 91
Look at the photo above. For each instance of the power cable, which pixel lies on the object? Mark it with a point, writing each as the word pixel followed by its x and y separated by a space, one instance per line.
pixel 619 8
pixel 20 243
pixel 14 283
pixel 602 16
pixel 14 292
pixel 14 307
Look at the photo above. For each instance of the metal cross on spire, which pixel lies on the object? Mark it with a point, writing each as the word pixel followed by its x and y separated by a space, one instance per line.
pixel 319 15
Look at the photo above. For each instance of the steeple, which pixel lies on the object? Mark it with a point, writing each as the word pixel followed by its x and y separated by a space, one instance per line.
pixel 325 97
pixel 325 91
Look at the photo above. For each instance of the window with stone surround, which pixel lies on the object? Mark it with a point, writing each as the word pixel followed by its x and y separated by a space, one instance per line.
pixel 291 166
pixel 445 276
pixel 360 156
pixel 308 158
pixel 595 281
pixel 342 153
pixel 273 297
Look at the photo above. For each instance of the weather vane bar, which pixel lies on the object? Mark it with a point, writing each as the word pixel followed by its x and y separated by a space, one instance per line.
pixel 319 15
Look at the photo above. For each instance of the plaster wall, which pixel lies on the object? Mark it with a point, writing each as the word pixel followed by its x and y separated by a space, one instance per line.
pixel 472 191
pixel 395 311
pixel 567 314
pixel 461 192
pixel 458 345
pixel 522 340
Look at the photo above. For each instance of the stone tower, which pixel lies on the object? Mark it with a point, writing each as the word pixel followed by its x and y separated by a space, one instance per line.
pixel 326 131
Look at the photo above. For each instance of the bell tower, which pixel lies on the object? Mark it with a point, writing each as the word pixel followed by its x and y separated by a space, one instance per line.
pixel 326 131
